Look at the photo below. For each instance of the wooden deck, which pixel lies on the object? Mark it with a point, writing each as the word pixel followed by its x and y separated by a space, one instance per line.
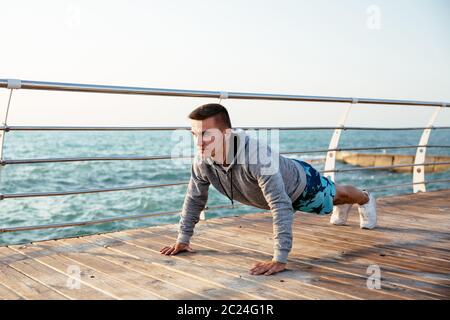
pixel 411 246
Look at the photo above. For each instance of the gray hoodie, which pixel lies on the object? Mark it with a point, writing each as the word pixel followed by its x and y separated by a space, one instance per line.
pixel 257 176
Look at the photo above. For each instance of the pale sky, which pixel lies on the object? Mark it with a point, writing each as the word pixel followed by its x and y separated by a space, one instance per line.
pixel 375 49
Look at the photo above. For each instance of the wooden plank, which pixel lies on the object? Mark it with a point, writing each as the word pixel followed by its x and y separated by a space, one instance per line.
pixel 123 254
pixel 176 282
pixel 413 212
pixel 26 287
pixel 356 247
pixel 164 265
pixel 342 255
pixel 263 245
pixel 88 276
pixel 392 217
pixel 405 237
pixel 340 270
pixel 411 246
pixel 320 226
pixel 437 280
pixel 8 294
pixel 388 237
pixel 80 254
pixel 316 265
pixel 305 241
pixel 144 274
pixel 294 290
pixel 415 209
pixel 312 285
pixel 215 276
pixel 206 259
pixel 384 248
pixel 48 276
pixel 427 200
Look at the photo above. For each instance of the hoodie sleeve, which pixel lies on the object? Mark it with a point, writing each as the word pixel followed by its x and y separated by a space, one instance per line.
pixel 273 189
pixel 194 202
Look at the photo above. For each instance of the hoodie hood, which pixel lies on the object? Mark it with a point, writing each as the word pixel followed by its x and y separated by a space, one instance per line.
pixel 235 148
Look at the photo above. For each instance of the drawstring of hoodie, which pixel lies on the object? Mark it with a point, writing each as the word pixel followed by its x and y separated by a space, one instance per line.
pixel 231 172
pixel 231 178
pixel 225 191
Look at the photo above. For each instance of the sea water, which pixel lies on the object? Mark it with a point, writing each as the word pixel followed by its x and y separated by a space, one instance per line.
pixel 68 176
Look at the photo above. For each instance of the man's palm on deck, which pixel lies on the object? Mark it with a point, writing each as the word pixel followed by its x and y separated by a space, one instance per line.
pixel 260 268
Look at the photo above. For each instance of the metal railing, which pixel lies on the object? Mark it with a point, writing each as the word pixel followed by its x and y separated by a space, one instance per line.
pixel 419 163
pixel 146 186
pixel 140 158
pixel 77 87
pixel 105 128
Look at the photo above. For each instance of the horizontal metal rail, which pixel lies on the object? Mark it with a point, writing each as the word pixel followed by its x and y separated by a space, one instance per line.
pixel 407 184
pixel 75 159
pixel 93 88
pixel 65 193
pixel 364 148
pixel 86 223
pixel 101 221
pixel 127 158
pixel 387 167
pixel 165 213
pixel 74 128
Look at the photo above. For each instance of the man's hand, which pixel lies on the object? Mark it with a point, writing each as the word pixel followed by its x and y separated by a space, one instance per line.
pixel 176 248
pixel 267 268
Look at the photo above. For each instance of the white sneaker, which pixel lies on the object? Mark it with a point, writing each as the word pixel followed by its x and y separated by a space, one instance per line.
pixel 340 214
pixel 368 213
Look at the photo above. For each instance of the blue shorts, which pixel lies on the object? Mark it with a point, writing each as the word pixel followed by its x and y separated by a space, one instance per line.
pixel 318 194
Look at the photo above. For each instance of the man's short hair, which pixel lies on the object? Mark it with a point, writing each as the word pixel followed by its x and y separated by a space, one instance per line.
pixel 211 110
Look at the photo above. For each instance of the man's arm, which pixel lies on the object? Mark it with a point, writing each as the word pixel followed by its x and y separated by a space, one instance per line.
pixel 273 189
pixel 280 204
pixel 194 202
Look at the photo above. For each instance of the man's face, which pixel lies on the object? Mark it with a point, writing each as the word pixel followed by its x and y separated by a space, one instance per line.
pixel 208 135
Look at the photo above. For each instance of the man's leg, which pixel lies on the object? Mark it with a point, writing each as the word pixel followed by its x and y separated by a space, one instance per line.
pixel 347 194
pixel 322 195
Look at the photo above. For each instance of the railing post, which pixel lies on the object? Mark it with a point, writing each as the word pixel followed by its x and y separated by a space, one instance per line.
pixel 223 96
pixel 4 124
pixel 330 162
pixel 11 84
pixel 419 171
